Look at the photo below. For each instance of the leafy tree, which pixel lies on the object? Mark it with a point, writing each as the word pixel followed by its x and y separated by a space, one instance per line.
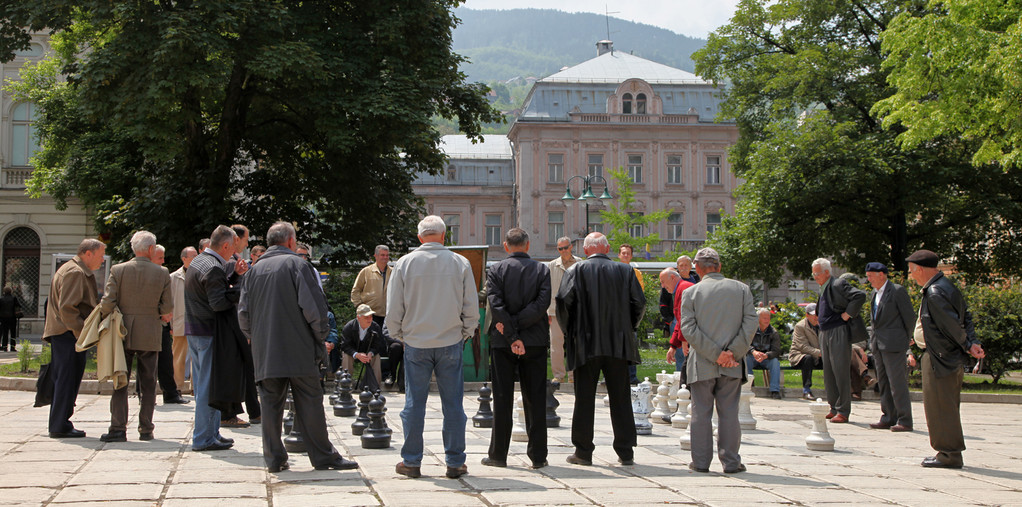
pixel 177 115
pixel 620 215
pixel 997 314
pixel 822 176
pixel 956 71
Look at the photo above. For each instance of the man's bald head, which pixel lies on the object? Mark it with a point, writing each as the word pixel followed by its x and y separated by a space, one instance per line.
pixel 669 279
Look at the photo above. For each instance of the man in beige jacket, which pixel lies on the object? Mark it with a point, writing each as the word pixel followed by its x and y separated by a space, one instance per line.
pixel 141 290
pixel 177 321
pixel 557 268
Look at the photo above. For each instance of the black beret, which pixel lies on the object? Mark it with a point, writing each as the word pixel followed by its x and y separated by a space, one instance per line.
pixel 876 267
pixel 924 258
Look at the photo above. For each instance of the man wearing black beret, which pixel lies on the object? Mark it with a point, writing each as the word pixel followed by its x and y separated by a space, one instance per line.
pixel 893 320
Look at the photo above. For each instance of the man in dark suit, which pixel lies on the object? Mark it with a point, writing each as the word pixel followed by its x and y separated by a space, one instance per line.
pixel 599 306
pixel 892 321
pixel 283 312
pixel 362 340
pixel 141 290
pixel 518 290
pixel 840 326
pixel 946 334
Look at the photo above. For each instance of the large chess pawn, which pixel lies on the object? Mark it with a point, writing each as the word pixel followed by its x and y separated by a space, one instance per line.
pixel 289 419
pixel 660 415
pixel 681 415
pixel 641 395
pixel 346 405
pixel 362 421
pixel 518 433
pixel 819 438
pixel 376 435
pixel 552 419
pixel 745 417
pixel 686 438
pixel 337 386
pixel 484 416
pixel 294 441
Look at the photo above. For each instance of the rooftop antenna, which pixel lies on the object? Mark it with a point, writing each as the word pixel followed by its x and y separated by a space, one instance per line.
pixel 606 8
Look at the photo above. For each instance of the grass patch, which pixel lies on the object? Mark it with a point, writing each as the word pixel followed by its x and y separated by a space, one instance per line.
pixel 14 369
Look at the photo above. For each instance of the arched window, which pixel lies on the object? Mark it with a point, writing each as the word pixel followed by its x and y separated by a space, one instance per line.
pixel 21 267
pixel 23 139
pixel 640 103
pixel 626 104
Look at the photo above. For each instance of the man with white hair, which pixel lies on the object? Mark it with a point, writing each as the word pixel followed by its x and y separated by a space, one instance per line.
pixel 140 289
pixel 840 326
pixel 433 307
pixel 684 265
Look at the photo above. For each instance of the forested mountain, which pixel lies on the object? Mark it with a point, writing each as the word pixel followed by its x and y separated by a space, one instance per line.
pixel 502 44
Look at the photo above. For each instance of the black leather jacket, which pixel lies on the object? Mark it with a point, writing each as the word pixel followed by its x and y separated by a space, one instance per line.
pixel 947 325
pixel 518 290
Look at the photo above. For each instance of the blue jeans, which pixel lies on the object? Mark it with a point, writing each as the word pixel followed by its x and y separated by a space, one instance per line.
pixel 420 364
pixel 772 365
pixel 207 419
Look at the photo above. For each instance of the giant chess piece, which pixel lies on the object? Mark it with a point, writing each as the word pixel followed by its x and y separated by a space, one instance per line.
pixel 641 395
pixel 484 416
pixel 745 418
pixel 681 415
pixel 660 414
pixel 362 421
pixel 552 419
pixel 518 433
pixel 289 419
pixel 819 439
pixel 346 405
pixel 672 396
pixel 337 386
pixel 376 435
pixel 294 441
pixel 686 438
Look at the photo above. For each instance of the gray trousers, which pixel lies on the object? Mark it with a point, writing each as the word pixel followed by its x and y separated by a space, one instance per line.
pixel 892 376
pixel 310 419
pixel 836 346
pixel 942 398
pixel 724 391
pixel 146 379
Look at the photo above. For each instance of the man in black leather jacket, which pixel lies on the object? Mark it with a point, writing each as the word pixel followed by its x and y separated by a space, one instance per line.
pixel 599 306
pixel 946 334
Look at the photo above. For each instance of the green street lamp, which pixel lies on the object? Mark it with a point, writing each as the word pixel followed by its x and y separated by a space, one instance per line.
pixel 587 192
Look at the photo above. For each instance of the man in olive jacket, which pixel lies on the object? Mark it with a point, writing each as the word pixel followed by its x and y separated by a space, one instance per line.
pixel 283 312
pixel 599 306
pixel 840 326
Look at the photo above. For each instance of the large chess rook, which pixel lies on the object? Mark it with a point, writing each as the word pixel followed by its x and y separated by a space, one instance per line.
pixel 819 438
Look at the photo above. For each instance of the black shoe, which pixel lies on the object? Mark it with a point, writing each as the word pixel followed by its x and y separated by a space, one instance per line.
pixel 338 464
pixel 540 465
pixel 216 446
pixel 693 467
pixel 775 395
pixel 114 436
pixel 490 462
pixel 455 472
pixel 574 459
pixel 67 434
pixel 936 463
pixel 255 420
pixel 176 400
pixel 741 468
pixel 225 440
pixel 626 462
pixel 145 436
pixel 279 467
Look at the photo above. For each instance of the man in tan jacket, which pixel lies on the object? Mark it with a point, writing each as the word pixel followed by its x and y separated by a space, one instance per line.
pixel 72 297
pixel 805 352
pixel 557 268
pixel 177 321
pixel 141 290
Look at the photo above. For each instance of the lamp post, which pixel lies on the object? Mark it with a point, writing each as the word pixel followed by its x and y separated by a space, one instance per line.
pixel 587 192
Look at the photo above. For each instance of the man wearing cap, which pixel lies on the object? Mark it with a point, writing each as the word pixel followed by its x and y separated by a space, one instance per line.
pixel 362 340
pixel 945 333
pixel 805 353
pixel 840 326
pixel 892 321
pixel 718 321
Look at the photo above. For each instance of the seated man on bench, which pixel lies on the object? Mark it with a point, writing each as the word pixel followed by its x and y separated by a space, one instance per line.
pixel 766 348
pixel 362 340
pixel 805 353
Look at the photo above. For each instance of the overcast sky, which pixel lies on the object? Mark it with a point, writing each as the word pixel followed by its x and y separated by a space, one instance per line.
pixel 695 18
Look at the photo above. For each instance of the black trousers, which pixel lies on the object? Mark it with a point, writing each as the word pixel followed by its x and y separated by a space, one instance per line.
pixel 395 352
pixel 8 330
pixel 165 367
pixel 807 364
pixel 310 419
pixel 615 372
pixel 67 367
pixel 531 370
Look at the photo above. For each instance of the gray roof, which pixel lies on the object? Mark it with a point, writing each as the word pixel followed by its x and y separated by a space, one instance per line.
pixel 616 67
pixel 494 146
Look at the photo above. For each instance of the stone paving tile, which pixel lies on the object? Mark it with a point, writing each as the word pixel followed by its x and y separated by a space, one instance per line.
pixel 215 502
pixel 19 479
pixel 122 476
pixel 24 496
pixel 115 503
pixel 631 496
pixel 92 493
pixel 439 498
pixel 217 490
pixel 225 475
pixel 511 483
pixel 551 497
pixel 333 500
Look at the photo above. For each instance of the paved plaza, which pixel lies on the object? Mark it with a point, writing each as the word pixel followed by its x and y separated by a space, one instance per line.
pixel 869 467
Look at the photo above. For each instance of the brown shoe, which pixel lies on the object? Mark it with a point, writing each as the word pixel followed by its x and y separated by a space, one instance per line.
pixel 900 427
pixel 831 414
pixel 234 422
pixel 838 419
pixel 455 472
pixel 869 380
pixel 413 472
pixel 880 426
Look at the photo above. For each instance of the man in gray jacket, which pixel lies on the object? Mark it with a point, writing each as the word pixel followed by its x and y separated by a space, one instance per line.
pixel 432 307
pixel 893 321
pixel 283 313
pixel 718 321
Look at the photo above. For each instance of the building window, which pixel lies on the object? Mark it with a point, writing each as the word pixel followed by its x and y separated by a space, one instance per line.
pixel 674 168
pixel 595 221
pixel 452 173
pixel 635 228
pixel 493 236
pixel 596 165
pixel 21 268
pixel 23 139
pixel 713 170
pixel 676 226
pixel 626 104
pixel 712 222
pixel 555 166
pixel 554 227
pixel 453 228
pixel 640 103
pixel 635 168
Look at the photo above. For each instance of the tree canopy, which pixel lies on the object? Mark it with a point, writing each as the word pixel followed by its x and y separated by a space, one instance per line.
pixel 956 70
pixel 174 116
pixel 822 176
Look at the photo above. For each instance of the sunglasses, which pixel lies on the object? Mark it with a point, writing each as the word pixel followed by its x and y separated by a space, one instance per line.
pixel 562 248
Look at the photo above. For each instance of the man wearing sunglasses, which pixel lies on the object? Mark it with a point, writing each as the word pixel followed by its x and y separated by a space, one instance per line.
pixel 557 268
